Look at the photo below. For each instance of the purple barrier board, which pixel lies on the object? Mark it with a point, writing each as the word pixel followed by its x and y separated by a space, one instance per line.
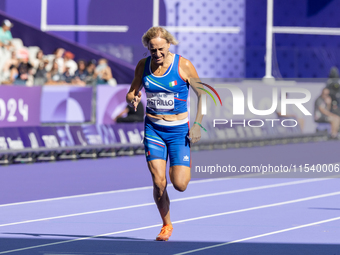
pixel 65 136
pixel 49 136
pixel 92 135
pixel 68 136
pixel 19 106
pixel 107 133
pixel 129 132
pixel 31 137
pixel 10 139
pixel 111 102
pixel 66 104
pixel 78 135
pixel 87 135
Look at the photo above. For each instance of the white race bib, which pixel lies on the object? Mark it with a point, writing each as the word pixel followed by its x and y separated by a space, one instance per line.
pixel 160 101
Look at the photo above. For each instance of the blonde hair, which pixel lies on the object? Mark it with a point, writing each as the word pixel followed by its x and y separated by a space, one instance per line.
pixel 155 32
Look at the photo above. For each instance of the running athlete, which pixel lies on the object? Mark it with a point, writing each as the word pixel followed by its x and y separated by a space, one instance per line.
pixel 166 78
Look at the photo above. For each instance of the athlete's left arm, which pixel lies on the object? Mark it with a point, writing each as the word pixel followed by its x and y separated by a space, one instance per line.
pixel 188 73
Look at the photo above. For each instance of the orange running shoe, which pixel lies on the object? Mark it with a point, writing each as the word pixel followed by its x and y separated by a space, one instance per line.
pixel 165 233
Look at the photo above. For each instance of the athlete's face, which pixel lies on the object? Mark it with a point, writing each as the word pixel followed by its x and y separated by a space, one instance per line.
pixel 159 50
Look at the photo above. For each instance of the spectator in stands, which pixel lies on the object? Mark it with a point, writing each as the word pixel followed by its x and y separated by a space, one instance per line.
pixel 6 35
pixel 81 74
pixel 67 77
pixel 323 114
pixel 39 68
pixel 13 74
pixel 70 63
pixel 54 76
pixel 13 62
pixel 334 89
pixel 91 78
pixel 58 53
pixel 25 76
pixel 39 57
pixel 104 74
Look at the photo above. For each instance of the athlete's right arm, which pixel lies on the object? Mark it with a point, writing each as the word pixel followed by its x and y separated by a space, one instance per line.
pixel 134 95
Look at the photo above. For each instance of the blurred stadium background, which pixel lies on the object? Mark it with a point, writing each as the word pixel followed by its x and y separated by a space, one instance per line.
pixel 240 41
pixel 72 123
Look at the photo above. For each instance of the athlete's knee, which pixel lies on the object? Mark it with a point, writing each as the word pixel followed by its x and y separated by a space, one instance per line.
pixel 181 185
pixel 180 182
pixel 159 183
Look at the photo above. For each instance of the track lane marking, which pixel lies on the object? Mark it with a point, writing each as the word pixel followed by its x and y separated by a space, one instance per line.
pixel 172 201
pixel 199 218
pixel 106 193
pixel 262 235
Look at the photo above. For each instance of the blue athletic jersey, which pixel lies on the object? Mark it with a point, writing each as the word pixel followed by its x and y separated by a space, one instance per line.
pixel 166 94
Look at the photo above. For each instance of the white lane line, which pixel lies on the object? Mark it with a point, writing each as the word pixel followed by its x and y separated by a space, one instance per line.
pixel 172 201
pixel 77 196
pixel 250 189
pixel 77 214
pixel 262 235
pixel 187 220
pixel 262 207
pixel 79 239
pixel 107 192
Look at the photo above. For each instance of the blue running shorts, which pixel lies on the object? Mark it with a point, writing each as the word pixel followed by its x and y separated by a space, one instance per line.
pixel 161 141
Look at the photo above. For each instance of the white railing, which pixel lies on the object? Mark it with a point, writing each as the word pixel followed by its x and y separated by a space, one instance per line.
pixel 271 29
pixel 155 22
pixel 83 28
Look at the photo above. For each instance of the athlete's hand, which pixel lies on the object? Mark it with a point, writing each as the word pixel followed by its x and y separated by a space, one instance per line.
pixel 135 101
pixel 195 133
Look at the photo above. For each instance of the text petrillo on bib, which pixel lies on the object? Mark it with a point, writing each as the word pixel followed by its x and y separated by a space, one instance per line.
pixel 160 101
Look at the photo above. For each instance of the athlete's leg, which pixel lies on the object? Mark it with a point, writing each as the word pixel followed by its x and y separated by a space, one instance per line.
pixel 158 140
pixel 156 154
pixel 180 177
pixel 179 155
pixel 157 169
